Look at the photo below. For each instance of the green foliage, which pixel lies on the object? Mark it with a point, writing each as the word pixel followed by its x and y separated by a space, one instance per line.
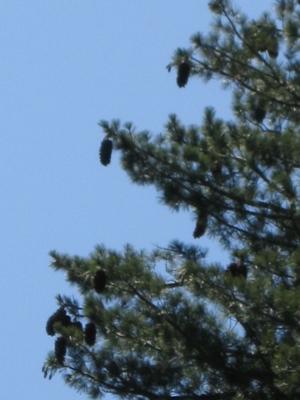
pixel 222 334
pixel 167 324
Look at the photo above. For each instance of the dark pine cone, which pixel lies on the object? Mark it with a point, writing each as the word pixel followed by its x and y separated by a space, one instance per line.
pixel 50 326
pixel 200 227
pixel 258 113
pixel 59 316
pixel 63 317
pixel 105 151
pixel 237 270
pixel 113 368
pixel 183 73
pixel 60 349
pixel 100 281
pixel 90 334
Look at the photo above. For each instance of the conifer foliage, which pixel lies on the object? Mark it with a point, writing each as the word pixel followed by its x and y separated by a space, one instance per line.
pixel 168 324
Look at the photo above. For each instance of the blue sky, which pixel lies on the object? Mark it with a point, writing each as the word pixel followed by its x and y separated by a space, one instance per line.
pixel 64 65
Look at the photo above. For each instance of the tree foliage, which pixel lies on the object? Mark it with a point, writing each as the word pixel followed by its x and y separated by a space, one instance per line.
pixel 168 324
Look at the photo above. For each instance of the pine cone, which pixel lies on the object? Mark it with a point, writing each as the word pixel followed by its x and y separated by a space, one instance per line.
pixel 237 270
pixel 105 151
pixel 50 326
pixel 100 281
pixel 258 113
pixel 200 227
pixel 90 334
pixel 273 49
pixel 216 169
pixel 59 316
pixel 113 368
pixel 183 73
pixel 63 318
pixel 60 348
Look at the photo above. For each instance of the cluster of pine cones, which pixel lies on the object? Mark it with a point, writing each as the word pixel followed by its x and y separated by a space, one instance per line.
pixel 60 320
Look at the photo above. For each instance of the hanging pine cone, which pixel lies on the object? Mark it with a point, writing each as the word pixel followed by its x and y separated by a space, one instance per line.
pixel 90 334
pixel 50 326
pixel 100 281
pixel 201 226
pixel 59 316
pixel 273 48
pixel 62 317
pixel 113 368
pixel 183 73
pixel 60 348
pixel 237 270
pixel 258 114
pixel 258 110
pixel 105 151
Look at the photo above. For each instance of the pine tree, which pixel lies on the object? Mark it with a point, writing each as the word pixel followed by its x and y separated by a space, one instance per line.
pixel 201 330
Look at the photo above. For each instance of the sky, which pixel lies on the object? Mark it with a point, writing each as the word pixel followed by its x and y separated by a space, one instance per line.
pixel 65 65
